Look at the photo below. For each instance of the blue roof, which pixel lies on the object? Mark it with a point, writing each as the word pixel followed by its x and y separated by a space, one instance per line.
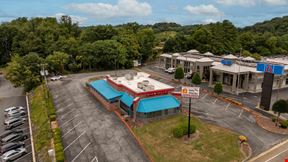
pixel 127 99
pixel 152 104
pixel 108 92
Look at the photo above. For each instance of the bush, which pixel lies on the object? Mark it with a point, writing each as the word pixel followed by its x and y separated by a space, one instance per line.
pixel 52 117
pixel 196 79
pixel 218 88
pixel 182 130
pixel 178 132
pixel 274 119
pixel 284 124
pixel 59 150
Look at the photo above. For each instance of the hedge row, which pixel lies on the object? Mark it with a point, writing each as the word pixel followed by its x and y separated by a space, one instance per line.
pixel 59 150
pixel 182 130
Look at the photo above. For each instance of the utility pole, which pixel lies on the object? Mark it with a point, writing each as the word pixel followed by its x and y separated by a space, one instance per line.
pixel 239 71
pixel 189 117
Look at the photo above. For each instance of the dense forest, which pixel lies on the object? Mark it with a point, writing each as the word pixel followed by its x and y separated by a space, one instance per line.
pixel 27 45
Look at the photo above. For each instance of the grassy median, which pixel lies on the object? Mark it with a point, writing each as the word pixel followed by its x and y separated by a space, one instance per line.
pixel 213 144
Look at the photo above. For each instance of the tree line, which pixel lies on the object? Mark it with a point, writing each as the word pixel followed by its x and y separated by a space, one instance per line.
pixel 27 45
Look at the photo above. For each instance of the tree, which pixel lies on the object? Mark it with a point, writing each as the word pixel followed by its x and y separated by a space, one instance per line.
pixel 196 79
pixel 146 41
pixel 280 106
pixel 179 73
pixel 57 61
pixel 218 88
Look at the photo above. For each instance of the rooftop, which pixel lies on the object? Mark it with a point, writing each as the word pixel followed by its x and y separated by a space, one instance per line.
pixel 235 68
pixel 140 82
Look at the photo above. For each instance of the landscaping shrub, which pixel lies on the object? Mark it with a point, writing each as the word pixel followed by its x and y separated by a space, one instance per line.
pixel 182 130
pixel 59 150
pixel 52 117
pixel 274 119
pixel 284 124
pixel 178 132
pixel 185 129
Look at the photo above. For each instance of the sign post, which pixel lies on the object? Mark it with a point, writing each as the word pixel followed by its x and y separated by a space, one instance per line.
pixel 190 92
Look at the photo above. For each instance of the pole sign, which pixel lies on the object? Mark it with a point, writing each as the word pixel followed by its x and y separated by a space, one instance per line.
pixel 270 68
pixel 190 92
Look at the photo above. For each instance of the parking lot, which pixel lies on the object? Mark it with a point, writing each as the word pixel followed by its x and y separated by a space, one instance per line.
pixel 236 119
pixel 10 96
pixel 89 131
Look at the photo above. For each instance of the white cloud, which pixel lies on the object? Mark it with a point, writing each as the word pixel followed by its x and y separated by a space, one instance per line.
pixel 124 8
pixel 203 10
pixel 208 21
pixel 75 19
pixel 238 2
pixel 277 2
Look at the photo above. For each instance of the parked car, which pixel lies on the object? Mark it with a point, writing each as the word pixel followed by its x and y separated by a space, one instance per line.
pixel 13 154
pixel 13 108
pixel 11 146
pixel 55 78
pixel 13 123
pixel 15 114
pixel 171 70
pixel 13 117
pixel 12 120
pixel 8 132
pixel 15 137
pixel 188 76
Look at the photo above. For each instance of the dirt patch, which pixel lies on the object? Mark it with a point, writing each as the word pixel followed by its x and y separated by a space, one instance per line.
pixel 193 137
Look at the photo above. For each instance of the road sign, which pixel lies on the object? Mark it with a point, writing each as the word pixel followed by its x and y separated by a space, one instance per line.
pixel 270 68
pixel 190 92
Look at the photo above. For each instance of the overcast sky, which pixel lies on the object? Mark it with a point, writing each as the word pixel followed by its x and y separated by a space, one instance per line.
pixel 94 12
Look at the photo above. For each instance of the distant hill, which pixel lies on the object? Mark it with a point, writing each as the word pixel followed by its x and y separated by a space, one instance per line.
pixel 277 26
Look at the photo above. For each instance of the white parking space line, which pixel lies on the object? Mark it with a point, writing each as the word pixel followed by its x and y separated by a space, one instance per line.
pixel 95 158
pixel 72 129
pixel 64 107
pixel 215 101
pixel 23 156
pixel 227 106
pixel 81 152
pixel 64 102
pixel 69 120
pixel 74 140
pixel 204 96
pixel 28 145
pixel 277 155
pixel 241 113
pixel 65 114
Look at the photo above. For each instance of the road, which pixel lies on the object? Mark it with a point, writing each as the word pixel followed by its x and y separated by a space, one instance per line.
pixel 10 96
pixel 89 131
pixel 278 153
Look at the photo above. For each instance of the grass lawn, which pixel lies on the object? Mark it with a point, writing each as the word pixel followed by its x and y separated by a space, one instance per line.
pixel 40 122
pixel 214 143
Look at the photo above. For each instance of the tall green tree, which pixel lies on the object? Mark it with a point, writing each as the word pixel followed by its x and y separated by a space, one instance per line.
pixel 146 41
pixel 218 88
pixel 279 107
pixel 196 79
pixel 57 61
pixel 179 73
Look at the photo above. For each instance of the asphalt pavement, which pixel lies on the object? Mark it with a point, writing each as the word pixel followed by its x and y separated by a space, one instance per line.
pixel 89 131
pixel 10 96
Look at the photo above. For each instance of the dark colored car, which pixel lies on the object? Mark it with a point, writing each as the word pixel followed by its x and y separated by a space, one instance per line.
pixel 13 138
pixel 11 146
pixel 8 132
pixel 14 124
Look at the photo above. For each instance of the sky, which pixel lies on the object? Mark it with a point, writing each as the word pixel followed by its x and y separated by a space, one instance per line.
pixel 185 12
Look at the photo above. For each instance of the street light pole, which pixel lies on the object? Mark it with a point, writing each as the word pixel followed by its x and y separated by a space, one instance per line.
pixel 239 71
pixel 189 117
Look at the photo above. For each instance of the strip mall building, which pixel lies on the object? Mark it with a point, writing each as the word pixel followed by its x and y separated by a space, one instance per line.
pixel 138 95
pixel 237 77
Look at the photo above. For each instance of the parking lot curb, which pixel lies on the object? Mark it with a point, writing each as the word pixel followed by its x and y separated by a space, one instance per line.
pixel 30 128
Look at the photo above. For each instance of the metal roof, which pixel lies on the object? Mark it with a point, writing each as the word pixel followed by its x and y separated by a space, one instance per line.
pixel 102 87
pixel 127 99
pixel 153 104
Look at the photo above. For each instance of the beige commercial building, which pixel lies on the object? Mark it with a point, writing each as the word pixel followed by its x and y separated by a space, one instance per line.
pixel 211 69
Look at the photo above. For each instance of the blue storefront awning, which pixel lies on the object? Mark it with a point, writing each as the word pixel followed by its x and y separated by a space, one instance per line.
pixel 153 104
pixel 127 99
pixel 108 92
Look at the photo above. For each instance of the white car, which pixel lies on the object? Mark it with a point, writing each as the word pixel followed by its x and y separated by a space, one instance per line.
pixel 171 70
pixel 13 154
pixel 13 108
pixel 55 78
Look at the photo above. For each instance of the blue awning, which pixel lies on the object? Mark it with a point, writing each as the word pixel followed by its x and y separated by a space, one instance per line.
pixel 127 99
pixel 153 104
pixel 108 92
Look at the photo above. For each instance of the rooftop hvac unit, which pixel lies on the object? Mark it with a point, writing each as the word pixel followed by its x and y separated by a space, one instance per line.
pixel 129 77
pixel 140 85
pixel 151 87
pixel 145 82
